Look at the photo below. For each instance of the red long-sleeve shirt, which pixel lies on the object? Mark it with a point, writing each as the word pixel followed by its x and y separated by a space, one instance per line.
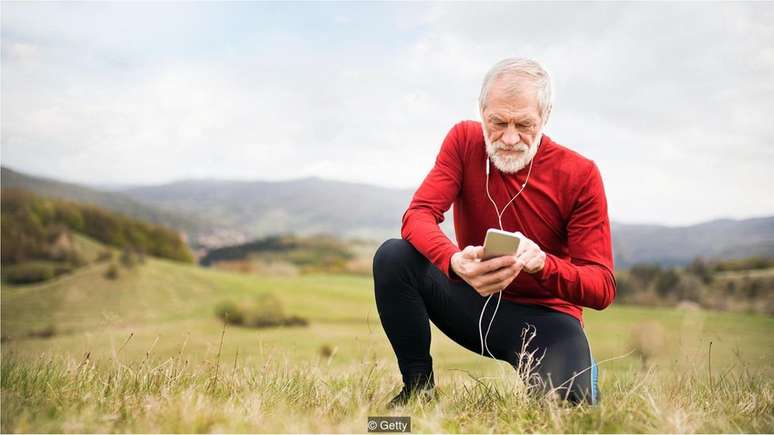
pixel 563 209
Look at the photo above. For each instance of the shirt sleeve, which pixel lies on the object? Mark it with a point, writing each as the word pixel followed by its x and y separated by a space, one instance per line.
pixel 587 278
pixel 432 199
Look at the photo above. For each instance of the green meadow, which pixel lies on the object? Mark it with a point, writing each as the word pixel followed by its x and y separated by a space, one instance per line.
pixel 145 353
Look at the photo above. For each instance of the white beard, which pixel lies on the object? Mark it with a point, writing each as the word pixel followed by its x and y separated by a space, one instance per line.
pixel 510 164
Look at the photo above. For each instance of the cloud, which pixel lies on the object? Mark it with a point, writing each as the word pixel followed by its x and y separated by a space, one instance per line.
pixel 671 100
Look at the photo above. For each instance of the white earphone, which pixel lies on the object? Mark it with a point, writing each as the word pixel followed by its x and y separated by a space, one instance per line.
pixel 500 221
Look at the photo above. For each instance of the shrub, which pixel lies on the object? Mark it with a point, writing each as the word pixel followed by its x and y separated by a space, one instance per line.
pixel 701 269
pixel 128 258
pixel 295 321
pixel 62 268
pixel 626 287
pixel 76 259
pixel 261 311
pixel 105 255
pixel 689 287
pixel 140 255
pixel 112 271
pixel 645 273
pixel 28 273
pixel 44 332
pixel 228 312
pixel 326 351
pixel 666 282
pixel 750 263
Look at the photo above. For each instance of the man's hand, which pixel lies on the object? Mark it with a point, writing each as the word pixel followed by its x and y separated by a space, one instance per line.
pixel 530 256
pixel 486 277
pixel 494 275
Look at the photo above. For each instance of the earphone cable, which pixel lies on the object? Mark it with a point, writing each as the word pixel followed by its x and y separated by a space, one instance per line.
pixel 482 337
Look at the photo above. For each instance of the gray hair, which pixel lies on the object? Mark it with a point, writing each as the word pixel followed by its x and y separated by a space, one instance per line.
pixel 520 69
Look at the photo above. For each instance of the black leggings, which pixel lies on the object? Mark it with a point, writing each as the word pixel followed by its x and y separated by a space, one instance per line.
pixel 410 291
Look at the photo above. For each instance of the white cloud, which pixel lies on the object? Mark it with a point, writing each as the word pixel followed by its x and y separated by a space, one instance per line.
pixel 671 100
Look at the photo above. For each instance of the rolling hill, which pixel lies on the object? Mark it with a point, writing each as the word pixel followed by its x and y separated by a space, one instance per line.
pixel 167 299
pixel 80 351
pixel 669 246
pixel 216 213
pixel 38 228
pixel 112 201
pixel 303 206
pixel 314 205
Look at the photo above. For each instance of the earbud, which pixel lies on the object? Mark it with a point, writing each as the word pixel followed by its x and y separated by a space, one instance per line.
pixel 487 167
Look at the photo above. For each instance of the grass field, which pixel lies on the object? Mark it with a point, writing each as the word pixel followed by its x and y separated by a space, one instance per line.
pixel 145 353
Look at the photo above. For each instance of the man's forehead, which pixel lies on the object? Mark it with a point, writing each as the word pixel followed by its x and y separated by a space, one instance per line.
pixel 512 108
pixel 512 99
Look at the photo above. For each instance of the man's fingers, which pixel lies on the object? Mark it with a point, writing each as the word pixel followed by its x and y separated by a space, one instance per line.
pixel 526 246
pixel 498 276
pixel 495 264
pixel 486 290
pixel 532 260
pixel 473 252
pixel 497 281
pixel 535 263
pixel 526 257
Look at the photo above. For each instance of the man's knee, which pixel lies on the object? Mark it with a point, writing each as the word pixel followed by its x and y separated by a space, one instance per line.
pixel 391 254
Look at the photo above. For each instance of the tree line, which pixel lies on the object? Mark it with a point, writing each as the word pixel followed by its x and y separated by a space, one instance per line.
pixel 31 224
pixel 736 285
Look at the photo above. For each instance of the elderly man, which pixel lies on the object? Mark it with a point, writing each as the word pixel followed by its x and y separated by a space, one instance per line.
pixel 502 173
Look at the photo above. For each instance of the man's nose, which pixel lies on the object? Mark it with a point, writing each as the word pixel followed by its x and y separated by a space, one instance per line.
pixel 511 136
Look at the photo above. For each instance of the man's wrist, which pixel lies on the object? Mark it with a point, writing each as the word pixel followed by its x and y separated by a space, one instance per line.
pixel 546 270
pixel 452 261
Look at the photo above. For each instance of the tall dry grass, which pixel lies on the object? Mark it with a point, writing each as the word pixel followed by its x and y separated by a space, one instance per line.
pixel 274 394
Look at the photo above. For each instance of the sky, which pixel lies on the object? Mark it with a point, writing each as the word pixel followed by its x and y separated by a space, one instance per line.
pixel 673 101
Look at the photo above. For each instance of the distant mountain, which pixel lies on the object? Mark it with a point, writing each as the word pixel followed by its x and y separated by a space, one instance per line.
pixel 116 202
pixel 219 213
pixel 718 239
pixel 313 205
pixel 303 206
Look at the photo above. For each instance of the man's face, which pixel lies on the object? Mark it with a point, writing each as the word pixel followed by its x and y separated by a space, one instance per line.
pixel 512 127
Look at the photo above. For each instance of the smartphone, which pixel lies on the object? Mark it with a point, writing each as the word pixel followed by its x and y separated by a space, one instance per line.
pixel 498 243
